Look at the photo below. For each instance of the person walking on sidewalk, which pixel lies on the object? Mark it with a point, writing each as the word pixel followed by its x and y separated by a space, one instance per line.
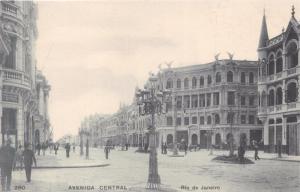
pixel 7 158
pixel 44 146
pixel 67 147
pixel 19 158
pixel 38 148
pixel 29 158
pixel 106 150
pixel 256 157
pixel 55 148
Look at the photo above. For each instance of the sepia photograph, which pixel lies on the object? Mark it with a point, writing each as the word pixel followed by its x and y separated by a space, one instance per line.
pixel 150 95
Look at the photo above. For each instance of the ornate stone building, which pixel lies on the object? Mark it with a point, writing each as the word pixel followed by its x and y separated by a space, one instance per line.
pixel 18 95
pixel 211 102
pixel 278 86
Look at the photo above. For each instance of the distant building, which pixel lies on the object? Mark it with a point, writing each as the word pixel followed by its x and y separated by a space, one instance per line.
pixel 278 87
pixel 19 107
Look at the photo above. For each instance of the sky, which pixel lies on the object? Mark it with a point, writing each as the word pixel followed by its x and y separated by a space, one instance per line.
pixel 94 53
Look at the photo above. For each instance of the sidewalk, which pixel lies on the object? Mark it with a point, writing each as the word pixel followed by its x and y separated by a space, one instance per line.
pixel 263 155
pixel 50 160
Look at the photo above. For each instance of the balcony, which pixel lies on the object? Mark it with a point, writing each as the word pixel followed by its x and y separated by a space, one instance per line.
pixel 11 10
pixel 16 78
pixel 291 71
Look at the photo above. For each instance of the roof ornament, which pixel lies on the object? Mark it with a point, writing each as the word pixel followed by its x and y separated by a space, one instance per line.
pixel 230 55
pixel 293 10
pixel 169 64
pixel 217 56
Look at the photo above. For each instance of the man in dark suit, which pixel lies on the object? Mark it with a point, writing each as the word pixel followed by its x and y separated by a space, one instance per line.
pixel 29 158
pixel 7 155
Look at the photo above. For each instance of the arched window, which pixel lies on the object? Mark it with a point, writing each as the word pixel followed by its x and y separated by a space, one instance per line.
pixel 251 78
pixel 208 79
pixel 178 83
pixel 217 119
pixel 271 97
pixel 279 62
pixel 186 83
pixel 292 92
pixel 229 76
pixel 169 84
pixel 209 120
pixel 218 77
pixel 279 96
pixel 292 55
pixel 271 65
pixel 201 81
pixel 243 78
pixel 194 82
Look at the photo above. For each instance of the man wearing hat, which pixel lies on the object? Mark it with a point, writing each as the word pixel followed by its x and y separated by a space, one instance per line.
pixel 7 154
pixel 29 158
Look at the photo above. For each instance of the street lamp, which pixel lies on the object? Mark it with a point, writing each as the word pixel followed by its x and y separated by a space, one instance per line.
pixel 150 101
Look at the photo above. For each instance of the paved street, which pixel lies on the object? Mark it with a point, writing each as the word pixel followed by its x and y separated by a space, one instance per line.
pixel 130 169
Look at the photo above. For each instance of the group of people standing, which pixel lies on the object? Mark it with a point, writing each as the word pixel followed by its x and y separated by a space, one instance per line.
pixel 9 157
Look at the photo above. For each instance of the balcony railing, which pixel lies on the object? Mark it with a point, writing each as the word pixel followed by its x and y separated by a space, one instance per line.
pixel 291 105
pixel 6 7
pixel 291 71
pixel 16 77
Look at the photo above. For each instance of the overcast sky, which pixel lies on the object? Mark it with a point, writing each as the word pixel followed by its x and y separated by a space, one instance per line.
pixel 95 53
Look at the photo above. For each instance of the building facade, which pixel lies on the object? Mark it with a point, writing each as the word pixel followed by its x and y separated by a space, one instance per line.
pixel 210 103
pixel 18 77
pixel 278 87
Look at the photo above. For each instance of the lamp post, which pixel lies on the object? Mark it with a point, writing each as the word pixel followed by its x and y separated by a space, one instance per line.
pixel 150 102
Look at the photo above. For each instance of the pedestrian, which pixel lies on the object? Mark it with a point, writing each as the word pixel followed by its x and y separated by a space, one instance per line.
pixel 67 147
pixel 256 157
pixel 106 151
pixel 55 148
pixel 38 148
pixel 19 158
pixel 185 148
pixel 162 148
pixel 279 148
pixel 165 148
pixel 44 146
pixel 29 158
pixel 7 158
pixel 74 147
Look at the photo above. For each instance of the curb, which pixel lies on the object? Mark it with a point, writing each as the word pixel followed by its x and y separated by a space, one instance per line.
pixel 68 167
pixel 288 160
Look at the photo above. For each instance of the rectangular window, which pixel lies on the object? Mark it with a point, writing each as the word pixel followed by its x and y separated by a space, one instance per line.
pixel 202 120
pixel 230 98
pixel 202 100
pixel 208 95
pixel 187 101
pixel 169 121
pixel 194 120
pixel 251 119
pixel 178 121
pixel 186 120
pixel 216 98
pixel 179 102
pixel 194 101
pixel 243 119
pixel 251 100
pixel 169 106
pixel 243 100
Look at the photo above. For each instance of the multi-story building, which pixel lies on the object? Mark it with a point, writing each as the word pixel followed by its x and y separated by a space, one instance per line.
pixel 278 87
pixel 210 103
pixel 42 133
pixel 18 94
